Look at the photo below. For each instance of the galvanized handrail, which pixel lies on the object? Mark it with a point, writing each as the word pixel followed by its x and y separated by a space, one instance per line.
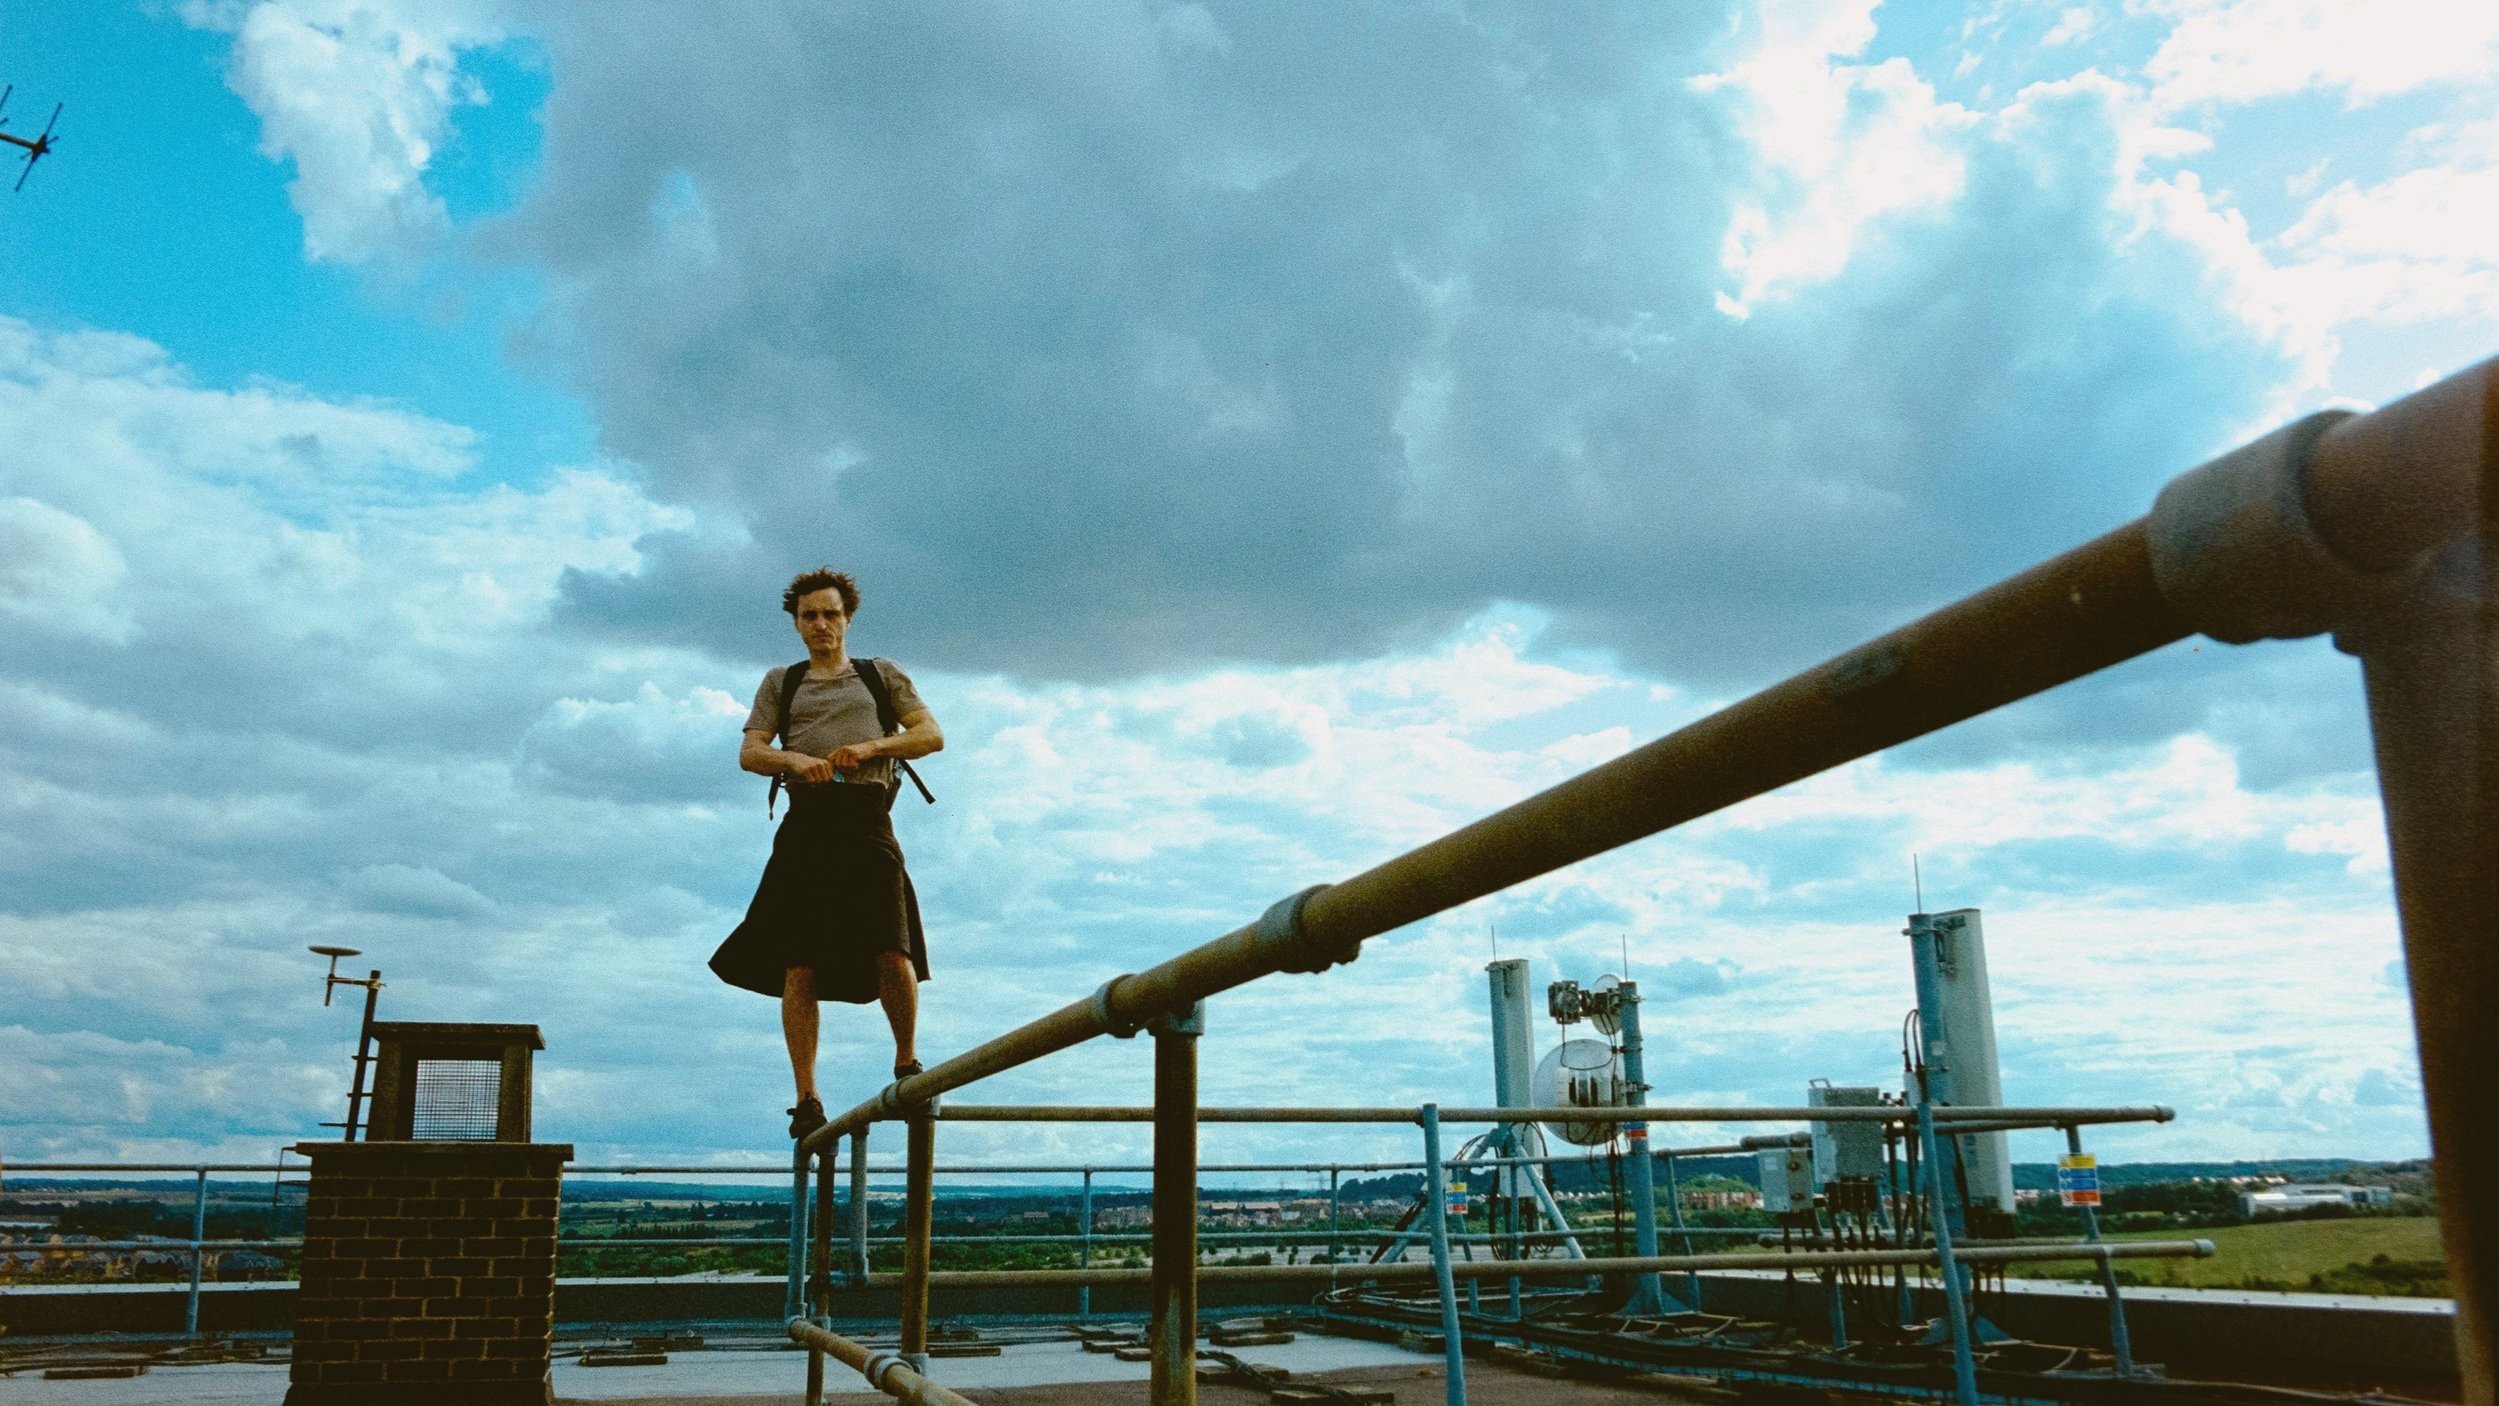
pixel 2007 1117
pixel 2078 1251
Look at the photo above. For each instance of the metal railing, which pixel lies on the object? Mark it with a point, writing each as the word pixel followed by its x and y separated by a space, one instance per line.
pixel 197 1248
pixel 2372 527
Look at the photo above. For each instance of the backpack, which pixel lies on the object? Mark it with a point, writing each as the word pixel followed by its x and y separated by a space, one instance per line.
pixel 868 674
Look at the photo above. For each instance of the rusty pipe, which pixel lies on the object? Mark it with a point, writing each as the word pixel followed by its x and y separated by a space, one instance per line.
pixel 883 1370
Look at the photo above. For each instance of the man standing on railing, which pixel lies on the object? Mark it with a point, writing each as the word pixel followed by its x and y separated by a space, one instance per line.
pixel 835 918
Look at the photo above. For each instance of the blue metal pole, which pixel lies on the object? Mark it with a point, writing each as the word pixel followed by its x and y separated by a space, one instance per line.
pixel 858 1207
pixel 199 1232
pixel 1964 1368
pixel 1510 1179
pixel 793 1300
pixel 1084 1250
pixel 1436 1184
pixel 1650 1294
pixel 2121 1346
pixel 1335 1186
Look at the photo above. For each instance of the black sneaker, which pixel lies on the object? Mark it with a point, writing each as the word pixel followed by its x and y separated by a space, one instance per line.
pixel 806 1118
pixel 905 1071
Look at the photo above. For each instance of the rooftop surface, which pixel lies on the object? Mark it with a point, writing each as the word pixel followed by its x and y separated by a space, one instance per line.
pixel 1033 1374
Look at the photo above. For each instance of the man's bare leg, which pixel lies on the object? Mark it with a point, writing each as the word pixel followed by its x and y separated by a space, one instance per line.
pixel 898 990
pixel 798 1026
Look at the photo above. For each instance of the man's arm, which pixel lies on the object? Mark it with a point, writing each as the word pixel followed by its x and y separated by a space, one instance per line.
pixel 919 737
pixel 758 755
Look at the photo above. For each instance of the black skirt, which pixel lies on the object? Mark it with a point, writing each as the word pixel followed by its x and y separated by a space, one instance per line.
pixel 833 896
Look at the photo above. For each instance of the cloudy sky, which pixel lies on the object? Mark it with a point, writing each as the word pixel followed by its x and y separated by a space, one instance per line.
pixel 1271 434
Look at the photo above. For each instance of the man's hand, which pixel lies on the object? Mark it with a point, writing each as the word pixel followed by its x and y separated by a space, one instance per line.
pixel 853 757
pixel 806 768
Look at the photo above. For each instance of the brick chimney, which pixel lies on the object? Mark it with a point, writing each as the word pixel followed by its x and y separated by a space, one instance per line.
pixel 429 1259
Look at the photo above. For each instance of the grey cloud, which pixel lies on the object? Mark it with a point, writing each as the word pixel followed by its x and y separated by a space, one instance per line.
pixel 1685 976
pixel 650 747
pixel 415 891
pixel 1099 352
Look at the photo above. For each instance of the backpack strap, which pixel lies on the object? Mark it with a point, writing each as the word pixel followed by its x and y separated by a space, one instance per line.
pixel 871 673
pixel 791 678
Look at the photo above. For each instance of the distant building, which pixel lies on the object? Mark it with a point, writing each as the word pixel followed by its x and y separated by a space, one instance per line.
pixel 2293 1197
pixel 1714 1200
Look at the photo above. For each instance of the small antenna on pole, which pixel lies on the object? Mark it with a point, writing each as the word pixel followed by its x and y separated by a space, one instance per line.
pixel 1917 881
pixel 1626 939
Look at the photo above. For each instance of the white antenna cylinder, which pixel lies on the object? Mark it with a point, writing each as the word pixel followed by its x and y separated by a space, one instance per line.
pixel 1957 1024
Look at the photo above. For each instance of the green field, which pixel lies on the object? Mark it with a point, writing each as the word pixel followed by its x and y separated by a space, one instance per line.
pixel 2292 1255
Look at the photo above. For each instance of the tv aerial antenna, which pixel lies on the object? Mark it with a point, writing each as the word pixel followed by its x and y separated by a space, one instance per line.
pixel 372 984
pixel 37 148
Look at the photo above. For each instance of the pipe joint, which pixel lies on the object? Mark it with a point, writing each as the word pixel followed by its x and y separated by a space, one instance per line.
pixel 1106 1011
pixel 875 1368
pixel 2237 556
pixel 1281 933
pixel 891 1104
pixel 1191 1022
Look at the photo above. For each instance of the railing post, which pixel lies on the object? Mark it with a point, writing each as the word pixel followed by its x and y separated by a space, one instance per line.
pixel 1173 1336
pixel 816 1302
pixel 2121 1346
pixel 199 1232
pixel 1956 1304
pixel 794 1299
pixel 820 1223
pixel 919 1210
pixel 1674 1211
pixel 1084 1248
pixel 858 1207
pixel 2431 666
pixel 1515 1147
pixel 1336 1249
pixel 1436 1186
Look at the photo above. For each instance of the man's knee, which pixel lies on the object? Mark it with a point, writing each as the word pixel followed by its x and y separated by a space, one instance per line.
pixel 895 964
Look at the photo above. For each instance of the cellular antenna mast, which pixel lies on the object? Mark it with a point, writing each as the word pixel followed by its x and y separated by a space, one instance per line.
pixel 37 148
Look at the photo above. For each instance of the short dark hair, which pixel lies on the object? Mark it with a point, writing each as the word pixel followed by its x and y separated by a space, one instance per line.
pixel 823 578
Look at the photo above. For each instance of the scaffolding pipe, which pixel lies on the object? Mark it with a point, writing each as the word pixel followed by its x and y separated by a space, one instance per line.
pixel 1084 1248
pixel 1956 1294
pixel 884 1371
pixel 199 1255
pixel 2047 1117
pixel 1422 1271
pixel 919 1211
pixel 1172 1330
pixel 793 1299
pixel 1436 1191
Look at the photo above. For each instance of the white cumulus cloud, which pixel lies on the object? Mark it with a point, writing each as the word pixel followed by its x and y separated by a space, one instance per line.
pixel 359 95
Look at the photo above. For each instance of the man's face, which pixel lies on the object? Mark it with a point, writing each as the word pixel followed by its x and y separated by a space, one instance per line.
pixel 821 620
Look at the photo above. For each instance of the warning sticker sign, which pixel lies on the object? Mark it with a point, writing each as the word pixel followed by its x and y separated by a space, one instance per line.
pixel 2078 1179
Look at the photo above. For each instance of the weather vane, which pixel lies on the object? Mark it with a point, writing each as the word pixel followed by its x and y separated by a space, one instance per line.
pixel 36 149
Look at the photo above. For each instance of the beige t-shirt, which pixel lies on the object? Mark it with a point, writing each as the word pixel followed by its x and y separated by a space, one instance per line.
pixel 831 713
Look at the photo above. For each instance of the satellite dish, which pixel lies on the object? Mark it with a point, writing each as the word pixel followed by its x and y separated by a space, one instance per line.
pixel 323 949
pixel 1581 1074
pixel 1604 1012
